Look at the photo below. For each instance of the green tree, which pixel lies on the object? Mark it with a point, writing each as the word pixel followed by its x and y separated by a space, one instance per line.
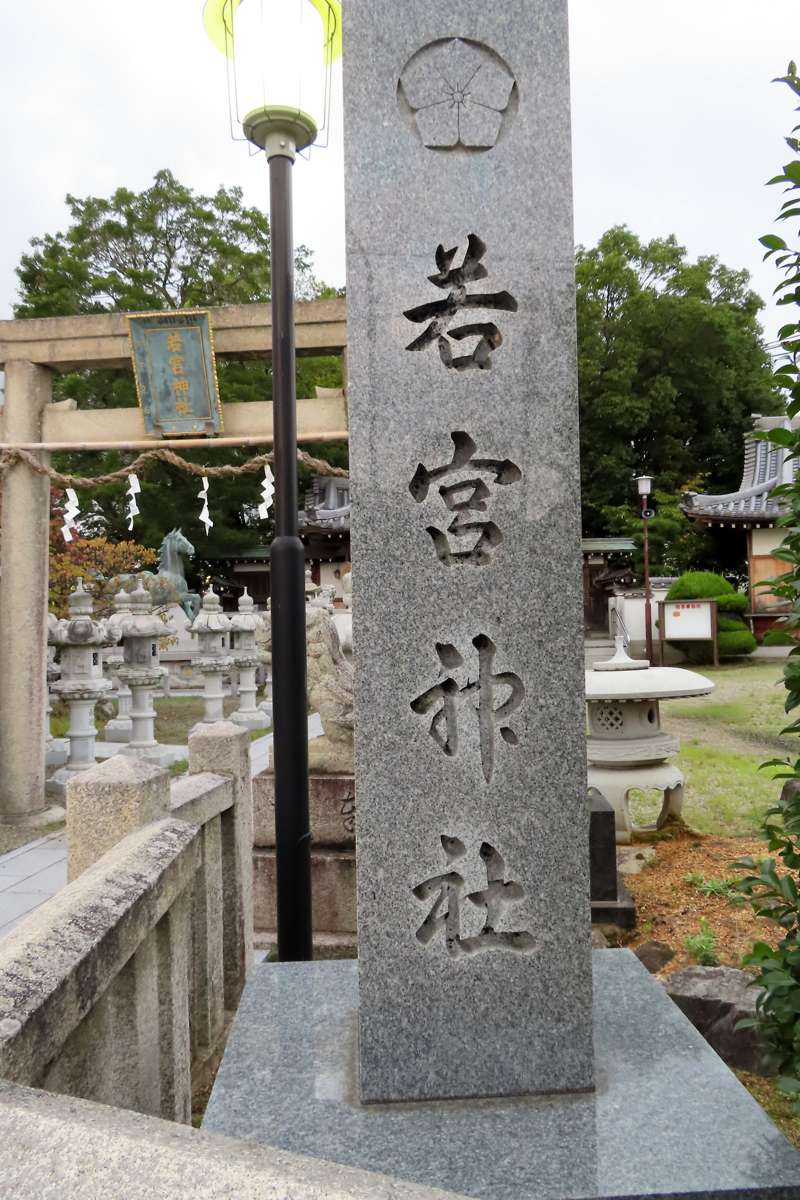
pixel 671 362
pixel 677 545
pixel 773 887
pixel 166 247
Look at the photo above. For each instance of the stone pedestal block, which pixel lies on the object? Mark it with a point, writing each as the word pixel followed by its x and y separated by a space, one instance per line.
pixel 611 902
pixel 332 810
pixel 333 884
pixel 669 1119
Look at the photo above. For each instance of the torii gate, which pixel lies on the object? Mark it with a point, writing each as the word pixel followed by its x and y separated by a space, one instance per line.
pixel 30 350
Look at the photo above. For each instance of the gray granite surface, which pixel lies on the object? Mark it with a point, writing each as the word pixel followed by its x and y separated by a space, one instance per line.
pixel 467 624
pixel 668 1119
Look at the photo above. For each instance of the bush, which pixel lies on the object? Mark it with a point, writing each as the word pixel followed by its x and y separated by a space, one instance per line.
pixel 772 887
pixel 700 585
pixel 775 897
pixel 734 644
pixel 734 638
pixel 738 602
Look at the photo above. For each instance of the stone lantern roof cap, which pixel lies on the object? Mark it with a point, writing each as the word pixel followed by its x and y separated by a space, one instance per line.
pixel 122 600
pixel 139 599
pixel 621 660
pixel 211 618
pixel 652 683
pixel 80 602
pixel 246 620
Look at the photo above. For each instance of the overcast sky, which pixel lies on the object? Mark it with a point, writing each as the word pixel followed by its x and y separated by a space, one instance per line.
pixel 676 124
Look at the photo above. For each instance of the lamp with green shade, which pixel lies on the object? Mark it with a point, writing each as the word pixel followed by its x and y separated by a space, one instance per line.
pixel 280 54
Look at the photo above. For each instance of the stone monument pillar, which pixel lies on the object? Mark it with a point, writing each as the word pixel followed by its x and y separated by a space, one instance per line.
pixel 142 672
pixel 472 813
pixel 80 640
pixel 246 658
pixel 211 628
pixel 119 728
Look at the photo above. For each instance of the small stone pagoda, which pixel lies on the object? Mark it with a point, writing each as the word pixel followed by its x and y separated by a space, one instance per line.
pixel 118 729
pixel 212 628
pixel 141 671
pixel 246 658
pixel 79 640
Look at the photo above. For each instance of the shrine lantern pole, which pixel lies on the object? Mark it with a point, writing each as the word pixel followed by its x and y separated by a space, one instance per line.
pixel 645 484
pixel 281 53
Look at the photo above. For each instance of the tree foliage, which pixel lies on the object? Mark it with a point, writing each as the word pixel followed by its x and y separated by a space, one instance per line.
pixel 773 893
pixel 165 248
pixel 671 363
pixel 676 545
pixel 93 559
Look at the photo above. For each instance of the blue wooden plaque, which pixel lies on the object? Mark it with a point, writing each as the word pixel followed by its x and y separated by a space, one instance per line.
pixel 176 375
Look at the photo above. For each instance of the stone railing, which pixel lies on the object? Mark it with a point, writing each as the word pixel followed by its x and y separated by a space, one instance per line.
pixel 54 1146
pixel 117 988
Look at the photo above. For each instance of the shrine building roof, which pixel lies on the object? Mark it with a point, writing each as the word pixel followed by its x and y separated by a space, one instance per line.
pixel 765 467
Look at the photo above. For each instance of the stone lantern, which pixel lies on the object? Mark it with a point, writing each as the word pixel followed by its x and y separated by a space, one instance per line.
pixel 627 749
pixel 119 729
pixel 211 628
pixel 80 640
pixel 142 672
pixel 246 658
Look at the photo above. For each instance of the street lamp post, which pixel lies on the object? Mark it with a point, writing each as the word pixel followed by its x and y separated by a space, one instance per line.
pixel 645 484
pixel 280 82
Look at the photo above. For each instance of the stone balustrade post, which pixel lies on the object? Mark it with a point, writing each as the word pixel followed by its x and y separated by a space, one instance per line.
pixel 224 749
pixel 109 801
pixel 23 601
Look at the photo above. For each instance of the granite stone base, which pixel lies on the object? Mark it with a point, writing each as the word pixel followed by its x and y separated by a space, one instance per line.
pixel 620 912
pixel 667 1120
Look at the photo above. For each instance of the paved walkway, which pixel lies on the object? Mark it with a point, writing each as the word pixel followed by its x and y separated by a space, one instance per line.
pixel 30 875
pixel 33 873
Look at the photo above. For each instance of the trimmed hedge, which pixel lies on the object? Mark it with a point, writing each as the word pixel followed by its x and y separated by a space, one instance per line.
pixel 737 602
pixel 700 585
pixel 733 644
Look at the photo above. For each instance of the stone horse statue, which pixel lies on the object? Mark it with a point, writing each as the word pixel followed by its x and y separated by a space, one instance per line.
pixel 168 585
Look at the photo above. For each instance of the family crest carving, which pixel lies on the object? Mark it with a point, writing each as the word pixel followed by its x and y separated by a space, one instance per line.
pixel 459 93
